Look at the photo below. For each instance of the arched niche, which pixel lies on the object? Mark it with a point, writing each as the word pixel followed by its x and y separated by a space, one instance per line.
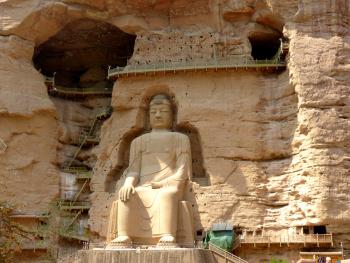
pixel 264 45
pixel 199 174
pixel 81 52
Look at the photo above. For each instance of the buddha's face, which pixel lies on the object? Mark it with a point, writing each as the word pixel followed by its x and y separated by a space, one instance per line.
pixel 161 116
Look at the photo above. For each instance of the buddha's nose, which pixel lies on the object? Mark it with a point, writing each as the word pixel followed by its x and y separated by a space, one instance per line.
pixel 157 114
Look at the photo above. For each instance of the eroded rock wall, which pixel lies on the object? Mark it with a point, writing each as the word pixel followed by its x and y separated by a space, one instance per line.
pixel 275 146
pixel 29 177
pixel 245 120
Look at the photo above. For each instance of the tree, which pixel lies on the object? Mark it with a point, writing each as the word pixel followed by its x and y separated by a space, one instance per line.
pixel 10 234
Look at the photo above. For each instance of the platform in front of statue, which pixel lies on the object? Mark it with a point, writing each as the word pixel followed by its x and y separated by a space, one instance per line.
pixel 172 255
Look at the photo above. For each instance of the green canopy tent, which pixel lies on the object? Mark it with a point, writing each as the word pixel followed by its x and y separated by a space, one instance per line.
pixel 221 235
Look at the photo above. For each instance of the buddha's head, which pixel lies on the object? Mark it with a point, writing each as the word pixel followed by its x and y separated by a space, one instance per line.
pixel 160 112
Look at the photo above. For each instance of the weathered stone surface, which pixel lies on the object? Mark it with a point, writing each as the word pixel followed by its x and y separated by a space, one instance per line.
pixel 29 177
pixel 275 147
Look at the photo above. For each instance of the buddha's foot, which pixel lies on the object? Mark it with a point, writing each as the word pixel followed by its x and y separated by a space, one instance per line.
pixel 121 242
pixel 167 241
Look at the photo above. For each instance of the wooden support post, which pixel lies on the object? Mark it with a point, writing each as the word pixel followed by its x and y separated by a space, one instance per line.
pixel 75 218
pixel 280 241
pixel 331 235
pixel 78 194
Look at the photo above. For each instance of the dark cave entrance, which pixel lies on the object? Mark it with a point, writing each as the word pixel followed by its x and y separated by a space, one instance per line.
pixel 79 55
pixel 264 45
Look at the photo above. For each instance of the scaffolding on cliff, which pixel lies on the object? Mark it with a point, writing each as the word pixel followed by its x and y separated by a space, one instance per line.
pixel 66 92
pixel 88 136
pixel 278 62
pixel 38 231
pixel 195 66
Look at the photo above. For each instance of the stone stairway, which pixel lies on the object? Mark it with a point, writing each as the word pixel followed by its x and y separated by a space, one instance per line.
pixel 226 256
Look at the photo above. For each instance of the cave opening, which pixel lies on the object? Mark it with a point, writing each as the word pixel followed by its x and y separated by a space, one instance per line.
pixel 79 55
pixel 265 45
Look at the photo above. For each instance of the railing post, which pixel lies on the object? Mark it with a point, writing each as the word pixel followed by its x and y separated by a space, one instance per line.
pixel 53 82
pixel 332 240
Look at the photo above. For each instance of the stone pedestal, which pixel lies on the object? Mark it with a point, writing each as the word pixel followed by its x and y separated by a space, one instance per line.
pixel 176 255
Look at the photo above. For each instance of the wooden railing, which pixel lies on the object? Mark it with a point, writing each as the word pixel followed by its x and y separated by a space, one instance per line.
pixel 33 244
pixel 80 205
pixel 80 91
pixel 54 89
pixel 213 64
pixel 229 257
pixel 289 239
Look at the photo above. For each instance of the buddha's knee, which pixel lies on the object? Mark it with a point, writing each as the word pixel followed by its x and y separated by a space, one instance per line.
pixel 125 205
pixel 168 193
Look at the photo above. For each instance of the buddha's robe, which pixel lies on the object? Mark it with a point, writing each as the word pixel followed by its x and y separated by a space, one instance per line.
pixel 163 157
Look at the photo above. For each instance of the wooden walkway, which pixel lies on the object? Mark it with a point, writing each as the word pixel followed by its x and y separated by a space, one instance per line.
pixel 67 92
pixel 196 66
pixel 303 240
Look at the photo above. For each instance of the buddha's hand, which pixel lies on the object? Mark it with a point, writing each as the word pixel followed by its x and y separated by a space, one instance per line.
pixel 125 192
pixel 156 185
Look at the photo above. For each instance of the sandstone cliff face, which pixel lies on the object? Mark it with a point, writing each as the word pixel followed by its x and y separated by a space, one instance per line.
pixel 233 106
pixel 275 147
pixel 28 128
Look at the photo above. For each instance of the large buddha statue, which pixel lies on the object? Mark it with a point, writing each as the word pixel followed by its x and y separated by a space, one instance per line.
pixel 160 165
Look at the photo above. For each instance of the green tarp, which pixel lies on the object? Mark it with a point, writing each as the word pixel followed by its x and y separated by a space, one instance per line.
pixel 223 239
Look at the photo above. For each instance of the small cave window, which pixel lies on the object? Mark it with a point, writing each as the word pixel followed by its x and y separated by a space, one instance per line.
pixel 264 45
pixel 320 230
pixel 306 230
pixel 199 233
pixel 258 232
